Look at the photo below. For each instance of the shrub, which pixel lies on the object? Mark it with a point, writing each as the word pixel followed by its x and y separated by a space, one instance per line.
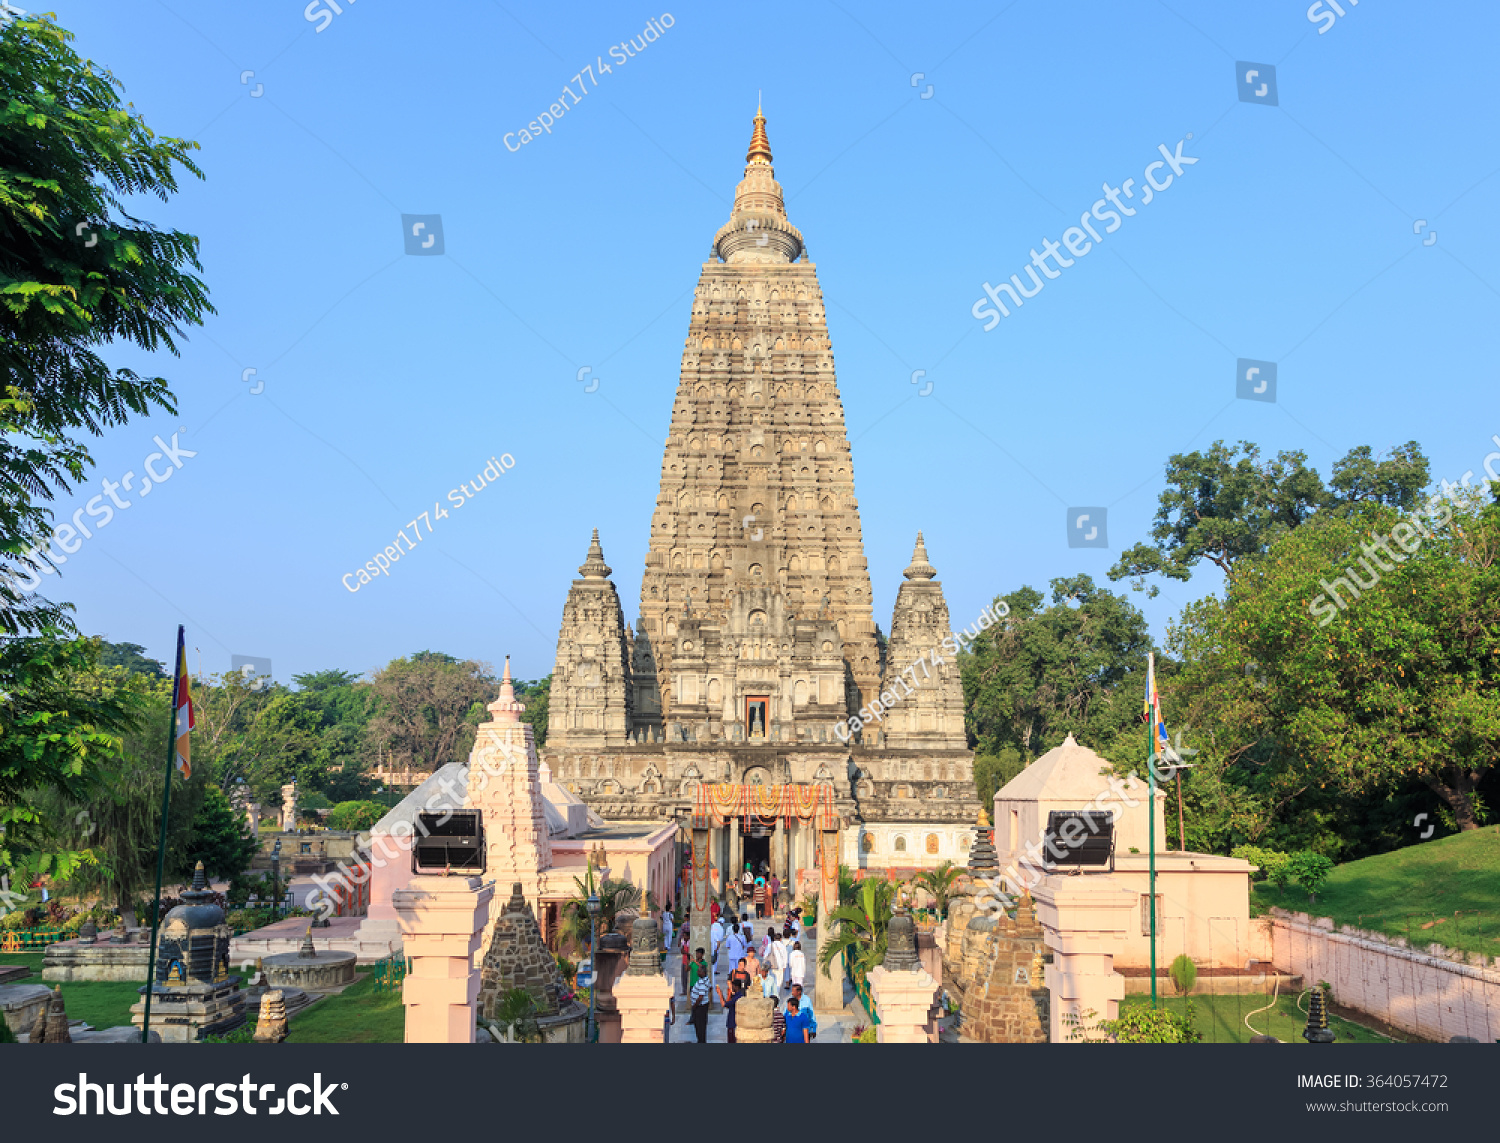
pixel 1141 1025
pixel 1274 865
pixel 1310 871
pixel 1184 974
pixel 355 816
pixel 244 1034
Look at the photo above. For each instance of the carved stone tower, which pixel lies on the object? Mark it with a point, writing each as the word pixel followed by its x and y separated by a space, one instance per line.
pixel 756 596
pixel 590 703
pixel 756 641
pixel 930 713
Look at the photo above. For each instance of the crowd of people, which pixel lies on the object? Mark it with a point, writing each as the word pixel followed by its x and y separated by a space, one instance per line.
pixel 742 958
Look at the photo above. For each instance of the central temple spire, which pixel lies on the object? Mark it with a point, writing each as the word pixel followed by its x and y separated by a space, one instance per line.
pixel 758 230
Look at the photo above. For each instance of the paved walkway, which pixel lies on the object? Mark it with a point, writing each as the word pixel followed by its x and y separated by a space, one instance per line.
pixel 836 1019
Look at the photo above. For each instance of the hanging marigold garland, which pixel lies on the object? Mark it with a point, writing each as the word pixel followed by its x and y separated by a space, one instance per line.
pixel 719 801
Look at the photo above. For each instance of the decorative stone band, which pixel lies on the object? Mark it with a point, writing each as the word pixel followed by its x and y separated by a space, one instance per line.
pixel 762 234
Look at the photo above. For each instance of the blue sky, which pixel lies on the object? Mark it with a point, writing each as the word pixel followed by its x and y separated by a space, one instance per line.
pixel 390 379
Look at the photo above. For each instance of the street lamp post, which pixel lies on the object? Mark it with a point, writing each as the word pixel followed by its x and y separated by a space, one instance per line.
pixel 593 907
pixel 276 881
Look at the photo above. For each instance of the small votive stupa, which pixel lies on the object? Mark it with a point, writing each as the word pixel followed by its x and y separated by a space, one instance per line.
pixel 193 995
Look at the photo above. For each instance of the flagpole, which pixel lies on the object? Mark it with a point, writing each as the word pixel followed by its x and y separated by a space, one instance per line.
pixel 1151 812
pixel 161 843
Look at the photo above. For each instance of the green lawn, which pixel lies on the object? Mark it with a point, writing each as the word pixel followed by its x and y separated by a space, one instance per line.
pixel 355 1016
pixel 102 1003
pixel 1221 1019
pixel 1445 890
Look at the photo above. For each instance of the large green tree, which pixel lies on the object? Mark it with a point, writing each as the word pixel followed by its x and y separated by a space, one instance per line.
pixel 427 707
pixel 1227 503
pixel 63 725
pixel 78 272
pixel 1361 655
pixel 1048 670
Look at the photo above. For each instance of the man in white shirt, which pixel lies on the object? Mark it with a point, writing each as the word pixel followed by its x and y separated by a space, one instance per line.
pixel 716 938
pixel 778 960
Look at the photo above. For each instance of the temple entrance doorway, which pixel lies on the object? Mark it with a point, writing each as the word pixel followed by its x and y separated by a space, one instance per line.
pixel 758 849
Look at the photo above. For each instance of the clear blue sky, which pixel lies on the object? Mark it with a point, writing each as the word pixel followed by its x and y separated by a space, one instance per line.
pixel 390 379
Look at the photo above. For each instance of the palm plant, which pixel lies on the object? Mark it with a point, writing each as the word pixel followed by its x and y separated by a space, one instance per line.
pixel 847 885
pixel 939 884
pixel 516 1013
pixel 859 928
pixel 614 898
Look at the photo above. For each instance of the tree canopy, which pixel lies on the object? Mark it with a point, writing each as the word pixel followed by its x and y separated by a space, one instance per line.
pixel 77 273
pixel 1226 503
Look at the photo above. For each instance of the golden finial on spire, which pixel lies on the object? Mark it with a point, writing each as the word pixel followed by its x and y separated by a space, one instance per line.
pixel 760 146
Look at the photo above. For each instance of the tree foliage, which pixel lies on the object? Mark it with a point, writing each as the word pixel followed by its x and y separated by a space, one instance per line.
pixel 78 272
pixel 1226 504
pixel 426 710
pixel 1045 671
pixel 860 928
pixel 63 725
pixel 1401 686
pixel 357 816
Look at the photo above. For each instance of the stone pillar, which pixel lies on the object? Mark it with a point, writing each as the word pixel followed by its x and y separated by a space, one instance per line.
pixel 643 995
pixel 701 890
pixel 441 921
pixel 791 827
pixel 736 853
pixel 289 808
pixel 905 994
pixel 1085 922
pixel 613 951
pixel 830 979
pixel 252 819
pixel 752 1021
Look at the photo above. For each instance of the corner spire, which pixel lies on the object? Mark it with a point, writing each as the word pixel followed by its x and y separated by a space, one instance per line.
pixel 506 708
pixel 920 570
pixel 594 566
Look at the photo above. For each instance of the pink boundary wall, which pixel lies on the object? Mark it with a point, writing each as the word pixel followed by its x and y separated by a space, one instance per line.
pixel 1429 996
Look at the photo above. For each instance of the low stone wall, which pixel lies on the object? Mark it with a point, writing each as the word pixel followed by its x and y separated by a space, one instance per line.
pixel 72 960
pixel 1436 993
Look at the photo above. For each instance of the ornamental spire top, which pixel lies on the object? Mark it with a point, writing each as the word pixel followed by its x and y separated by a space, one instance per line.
pixel 920 570
pixel 760 146
pixel 594 566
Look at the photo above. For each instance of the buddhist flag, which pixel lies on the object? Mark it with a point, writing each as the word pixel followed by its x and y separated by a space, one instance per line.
pixel 1152 712
pixel 182 707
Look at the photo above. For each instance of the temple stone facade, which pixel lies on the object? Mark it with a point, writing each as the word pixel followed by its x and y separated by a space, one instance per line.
pixel 756 641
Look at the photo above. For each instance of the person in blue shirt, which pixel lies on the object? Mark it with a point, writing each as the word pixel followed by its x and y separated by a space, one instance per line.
pixel 796 1022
